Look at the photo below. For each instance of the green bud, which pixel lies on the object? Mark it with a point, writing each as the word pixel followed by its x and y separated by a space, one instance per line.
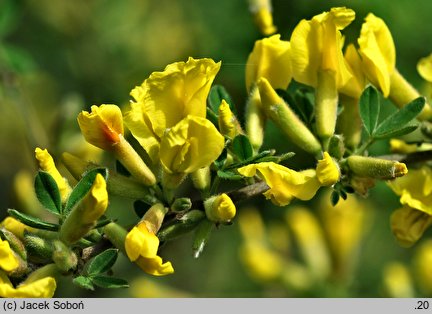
pixel 64 257
pixel 39 250
pixel 116 234
pixel 181 204
pixel 15 243
pixel 376 168
pixel 336 146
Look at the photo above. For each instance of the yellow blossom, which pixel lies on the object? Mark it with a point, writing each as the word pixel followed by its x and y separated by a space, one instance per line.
pixel 84 217
pixel 191 144
pixel 271 59
pixel 378 52
pixel 316 45
pixel 142 246
pixel 398 281
pixel 166 98
pixel 261 262
pixel 327 170
pixel 103 126
pixel 46 163
pixel 8 260
pixel 422 262
pixel 285 184
pixel 16 227
pixel 220 208
pixel 409 224
pixel 41 288
pixel 355 86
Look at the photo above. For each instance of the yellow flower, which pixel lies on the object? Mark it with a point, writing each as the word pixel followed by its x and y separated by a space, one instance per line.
pixel 355 86
pixel 409 224
pixel 285 184
pixel 424 68
pixel 271 59
pixel 220 208
pixel 415 189
pixel 316 45
pixel 103 126
pixel 378 52
pixel 142 246
pixel 41 288
pixel 422 262
pixel 327 170
pixel 83 217
pixel 46 163
pixel 8 261
pixel 191 144
pixel 167 97
pixel 260 261
pixel 398 281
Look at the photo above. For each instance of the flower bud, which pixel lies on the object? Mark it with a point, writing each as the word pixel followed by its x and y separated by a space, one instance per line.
pixel 64 258
pixel 181 204
pixel 228 123
pixel 327 170
pixel 376 168
pixel 220 208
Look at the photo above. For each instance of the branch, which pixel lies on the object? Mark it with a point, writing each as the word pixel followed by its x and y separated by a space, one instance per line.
pixel 248 191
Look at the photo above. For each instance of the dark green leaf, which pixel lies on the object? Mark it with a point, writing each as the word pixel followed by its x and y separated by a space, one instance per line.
pixel 395 133
pixel 32 221
pixel 348 189
pixel 220 162
pixel 83 282
pixel 242 147
pixel 305 102
pixel 213 117
pixel 109 282
pixel 48 192
pixel 102 262
pixel 399 120
pixel 216 95
pixel 370 108
pixel 8 16
pixel 334 198
pixel 201 237
pixel 102 223
pixel 83 187
pixel 228 175
pixel 343 194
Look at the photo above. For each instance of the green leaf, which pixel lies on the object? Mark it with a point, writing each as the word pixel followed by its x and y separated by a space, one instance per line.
pixel 83 187
pixel 102 223
pixel 370 108
pixel 220 162
pixel 109 282
pixel 102 262
pixel 83 282
pixel 399 132
pixel 8 16
pixel 48 192
pixel 334 198
pixel 242 147
pixel 32 221
pixel 201 237
pixel 213 117
pixel 216 95
pixel 399 120
pixel 228 175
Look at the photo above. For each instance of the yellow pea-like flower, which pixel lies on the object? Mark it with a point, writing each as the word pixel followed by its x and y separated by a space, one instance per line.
pixel 167 97
pixel 8 260
pixel 103 126
pixel 354 86
pixel 397 281
pixel 316 45
pixel 228 123
pixel 424 68
pixel 15 226
pixel 41 288
pixel 142 244
pixel 327 170
pixel 220 208
pixel 422 262
pixel 270 58
pixel 408 225
pixel 46 163
pixel 378 52
pixel 262 13
pixel 191 144
pixel 285 184
pixel 415 189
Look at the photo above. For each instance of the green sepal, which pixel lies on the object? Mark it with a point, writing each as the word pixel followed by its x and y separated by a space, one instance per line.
pixel 83 187
pixel 242 147
pixel 397 122
pixel 83 282
pixel 102 262
pixel 369 108
pixel 216 95
pixel 33 221
pixel 109 282
pixel 48 192
pixel 201 237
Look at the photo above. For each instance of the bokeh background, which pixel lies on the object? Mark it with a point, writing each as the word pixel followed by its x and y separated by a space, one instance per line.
pixel 60 57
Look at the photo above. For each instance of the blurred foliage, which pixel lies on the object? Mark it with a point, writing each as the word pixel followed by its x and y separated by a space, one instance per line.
pixel 59 57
